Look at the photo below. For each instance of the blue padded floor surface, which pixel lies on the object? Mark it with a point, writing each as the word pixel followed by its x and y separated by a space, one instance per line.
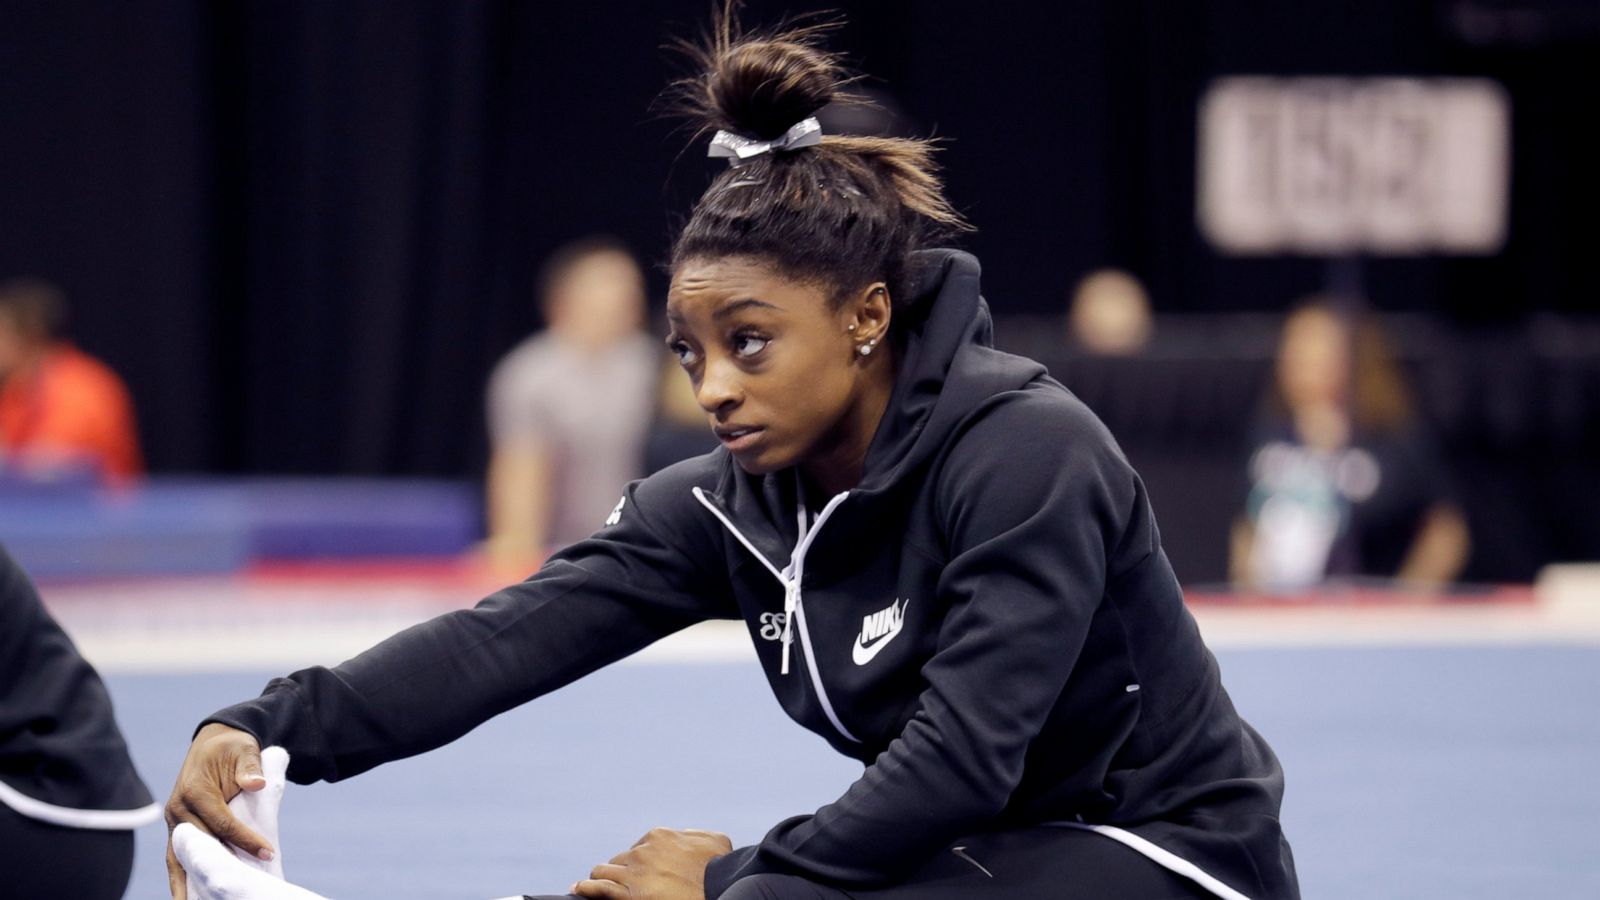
pixel 1421 773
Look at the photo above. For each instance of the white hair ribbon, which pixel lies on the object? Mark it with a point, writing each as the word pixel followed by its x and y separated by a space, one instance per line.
pixel 738 149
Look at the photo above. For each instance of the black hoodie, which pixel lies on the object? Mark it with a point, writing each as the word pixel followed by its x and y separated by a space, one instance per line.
pixel 987 621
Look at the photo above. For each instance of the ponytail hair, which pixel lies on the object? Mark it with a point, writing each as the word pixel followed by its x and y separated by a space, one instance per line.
pixel 843 213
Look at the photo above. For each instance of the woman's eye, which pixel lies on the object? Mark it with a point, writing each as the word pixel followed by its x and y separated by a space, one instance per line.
pixel 683 352
pixel 748 345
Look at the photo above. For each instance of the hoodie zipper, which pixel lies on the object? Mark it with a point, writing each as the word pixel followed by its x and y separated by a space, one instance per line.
pixel 791 576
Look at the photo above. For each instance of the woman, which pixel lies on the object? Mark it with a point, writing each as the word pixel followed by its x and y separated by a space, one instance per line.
pixel 947 568
pixel 1342 481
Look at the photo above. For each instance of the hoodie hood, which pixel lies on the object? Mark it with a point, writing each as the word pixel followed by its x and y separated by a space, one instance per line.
pixel 946 370
pixel 947 364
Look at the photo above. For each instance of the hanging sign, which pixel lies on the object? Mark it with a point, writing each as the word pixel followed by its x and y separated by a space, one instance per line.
pixel 1335 166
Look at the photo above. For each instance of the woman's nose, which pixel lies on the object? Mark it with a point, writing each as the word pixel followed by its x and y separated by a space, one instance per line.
pixel 718 388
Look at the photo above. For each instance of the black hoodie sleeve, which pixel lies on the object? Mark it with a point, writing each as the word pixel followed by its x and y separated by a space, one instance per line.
pixel 634 581
pixel 1035 499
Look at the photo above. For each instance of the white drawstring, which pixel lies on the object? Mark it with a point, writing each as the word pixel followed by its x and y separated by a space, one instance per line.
pixel 791 587
pixel 791 601
pixel 791 577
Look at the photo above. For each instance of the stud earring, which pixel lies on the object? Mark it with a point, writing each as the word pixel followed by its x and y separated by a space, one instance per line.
pixel 866 348
pixel 852 327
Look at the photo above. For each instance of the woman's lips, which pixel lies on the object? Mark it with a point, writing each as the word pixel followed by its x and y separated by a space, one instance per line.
pixel 740 439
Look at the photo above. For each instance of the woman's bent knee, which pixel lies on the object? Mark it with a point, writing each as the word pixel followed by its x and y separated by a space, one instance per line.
pixel 778 887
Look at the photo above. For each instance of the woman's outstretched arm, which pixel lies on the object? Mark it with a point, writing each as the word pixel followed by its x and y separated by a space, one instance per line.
pixel 638 579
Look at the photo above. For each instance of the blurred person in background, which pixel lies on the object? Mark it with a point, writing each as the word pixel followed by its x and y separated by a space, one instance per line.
pixel 64 415
pixel 1343 482
pixel 69 795
pixel 569 408
pixel 1110 314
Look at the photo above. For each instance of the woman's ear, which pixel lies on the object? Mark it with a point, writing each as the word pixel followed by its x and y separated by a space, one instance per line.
pixel 873 308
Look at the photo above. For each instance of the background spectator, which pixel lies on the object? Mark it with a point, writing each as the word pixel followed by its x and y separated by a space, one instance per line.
pixel 569 408
pixel 1110 314
pixel 62 412
pixel 1343 482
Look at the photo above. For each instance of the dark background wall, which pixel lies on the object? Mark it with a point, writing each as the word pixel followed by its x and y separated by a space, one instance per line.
pixel 305 230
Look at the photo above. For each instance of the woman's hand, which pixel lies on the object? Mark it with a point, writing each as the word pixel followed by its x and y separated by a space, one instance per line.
pixel 222 761
pixel 664 865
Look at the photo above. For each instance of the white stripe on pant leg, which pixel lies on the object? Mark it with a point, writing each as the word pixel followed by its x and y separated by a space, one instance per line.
pixel 1166 859
pixel 67 817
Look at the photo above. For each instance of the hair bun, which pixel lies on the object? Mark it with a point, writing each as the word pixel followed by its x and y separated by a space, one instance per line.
pixel 757 84
pixel 762 88
pixel 846 211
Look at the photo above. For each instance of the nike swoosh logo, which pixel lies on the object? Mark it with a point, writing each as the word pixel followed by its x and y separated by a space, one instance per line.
pixel 863 651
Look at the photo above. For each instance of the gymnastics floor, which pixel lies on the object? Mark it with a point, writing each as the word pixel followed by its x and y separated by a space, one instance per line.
pixel 1431 752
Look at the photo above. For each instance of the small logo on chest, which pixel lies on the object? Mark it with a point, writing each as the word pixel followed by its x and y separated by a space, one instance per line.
pixel 877 630
pixel 772 625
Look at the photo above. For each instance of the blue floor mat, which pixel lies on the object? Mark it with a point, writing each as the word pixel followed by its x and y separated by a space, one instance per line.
pixel 1429 774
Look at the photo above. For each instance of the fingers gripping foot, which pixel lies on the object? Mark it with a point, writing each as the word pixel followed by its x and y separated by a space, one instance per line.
pixel 259 809
pixel 216 874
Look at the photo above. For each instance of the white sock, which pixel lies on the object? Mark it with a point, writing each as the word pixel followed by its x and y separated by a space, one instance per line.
pixel 258 810
pixel 215 874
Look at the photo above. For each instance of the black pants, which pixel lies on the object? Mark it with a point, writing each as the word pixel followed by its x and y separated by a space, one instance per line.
pixel 50 861
pixel 1031 864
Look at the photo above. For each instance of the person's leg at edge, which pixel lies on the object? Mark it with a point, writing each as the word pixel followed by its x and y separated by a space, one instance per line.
pixel 45 860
